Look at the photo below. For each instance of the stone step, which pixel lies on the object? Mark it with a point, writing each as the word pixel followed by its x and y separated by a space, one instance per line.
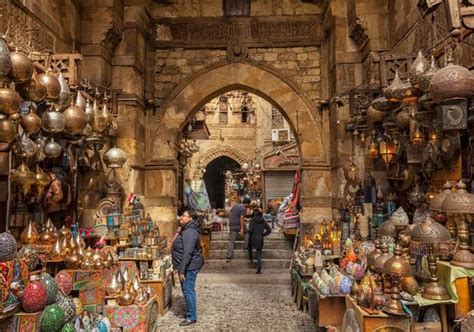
pixel 225 236
pixel 236 263
pixel 247 276
pixel 268 244
pixel 266 253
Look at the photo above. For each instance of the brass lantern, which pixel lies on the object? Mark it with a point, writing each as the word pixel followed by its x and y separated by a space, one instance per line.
pixel 387 150
pixel 418 136
pixel 373 149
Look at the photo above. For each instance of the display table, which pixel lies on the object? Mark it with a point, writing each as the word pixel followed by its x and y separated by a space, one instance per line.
pixel 25 322
pixel 369 323
pixel 299 283
pixel 163 290
pixel 133 318
pixel 329 310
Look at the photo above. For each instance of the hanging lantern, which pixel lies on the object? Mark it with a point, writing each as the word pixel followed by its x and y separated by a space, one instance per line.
pixel 387 150
pixel 433 136
pixel 353 169
pixel 418 136
pixel 373 149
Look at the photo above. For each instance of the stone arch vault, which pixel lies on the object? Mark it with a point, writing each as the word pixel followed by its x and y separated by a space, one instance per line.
pixel 309 125
pixel 222 150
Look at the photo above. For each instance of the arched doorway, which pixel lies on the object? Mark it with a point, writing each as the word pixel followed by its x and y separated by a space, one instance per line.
pixel 311 128
pixel 215 179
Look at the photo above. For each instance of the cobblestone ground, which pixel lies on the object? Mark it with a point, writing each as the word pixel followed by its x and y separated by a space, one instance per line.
pixel 238 307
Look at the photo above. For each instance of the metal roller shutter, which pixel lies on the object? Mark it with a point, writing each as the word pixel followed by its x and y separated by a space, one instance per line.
pixel 278 184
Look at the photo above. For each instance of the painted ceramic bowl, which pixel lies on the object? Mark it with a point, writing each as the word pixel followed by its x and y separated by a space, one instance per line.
pixel 34 297
pixel 52 318
pixel 64 282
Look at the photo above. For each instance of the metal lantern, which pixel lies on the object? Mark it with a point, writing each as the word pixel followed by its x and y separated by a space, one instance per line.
pixel 52 85
pixel 53 121
pixel 432 234
pixel 115 158
pixel 5 60
pixel 373 149
pixel 10 101
pixel 22 67
pixel 387 150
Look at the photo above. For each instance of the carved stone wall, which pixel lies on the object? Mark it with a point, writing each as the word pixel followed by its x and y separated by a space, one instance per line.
pixel 177 66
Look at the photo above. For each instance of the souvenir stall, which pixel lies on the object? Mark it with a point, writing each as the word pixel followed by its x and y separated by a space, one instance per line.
pixel 398 254
pixel 58 276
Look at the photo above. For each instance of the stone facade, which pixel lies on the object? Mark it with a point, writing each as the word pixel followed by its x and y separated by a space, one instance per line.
pixel 298 55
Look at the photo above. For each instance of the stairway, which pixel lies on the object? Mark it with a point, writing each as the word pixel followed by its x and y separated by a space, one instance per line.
pixel 276 258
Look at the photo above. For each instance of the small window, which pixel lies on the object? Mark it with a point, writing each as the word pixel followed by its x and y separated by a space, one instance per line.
pixel 245 114
pixel 223 108
pixel 236 7
pixel 277 119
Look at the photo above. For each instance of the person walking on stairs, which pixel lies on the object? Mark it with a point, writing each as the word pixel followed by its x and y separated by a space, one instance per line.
pixel 188 260
pixel 237 226
pixel 258 229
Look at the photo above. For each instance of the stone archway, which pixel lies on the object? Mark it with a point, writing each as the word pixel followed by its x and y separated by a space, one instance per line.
pixel 309 125
pixel 220 151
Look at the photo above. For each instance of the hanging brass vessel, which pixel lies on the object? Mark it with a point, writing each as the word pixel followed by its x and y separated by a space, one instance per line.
pixel 23 177
pixel 99 123
pixel 76 120
pixel 31 122
pixel 89 112
pixel 65 92
pixel 7 130
pixel 53 121
pixel 22 67
pixel 51 83
pixel 42 179
pixel 10 101
pixel 33 90
pixel 30 234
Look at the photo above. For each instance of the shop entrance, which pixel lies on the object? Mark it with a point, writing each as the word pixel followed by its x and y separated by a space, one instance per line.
pixel 215 179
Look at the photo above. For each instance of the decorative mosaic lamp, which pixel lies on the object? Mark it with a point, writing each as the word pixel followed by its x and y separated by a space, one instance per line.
pixel 431 234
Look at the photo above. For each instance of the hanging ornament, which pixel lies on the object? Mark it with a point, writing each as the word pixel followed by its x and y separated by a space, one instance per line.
pixel 53 121
pixel 425 79
pixel 52 85
pixel 33 90
pixel 7 132
pixel 10 101
pixel 452 81
pixel 22 67
pixel 31 122
pixel 89 112
pixel 417 69
pixel 65 92
pixel 99 122
pixel 25 148
pixel 52 149
pixel 75 120
pixel 115 158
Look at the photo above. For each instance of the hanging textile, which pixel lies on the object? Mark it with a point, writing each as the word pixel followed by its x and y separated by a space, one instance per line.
pixel 196 201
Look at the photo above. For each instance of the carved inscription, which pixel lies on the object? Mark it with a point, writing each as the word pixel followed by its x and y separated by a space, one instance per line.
pixel 23 30
pixel 247 31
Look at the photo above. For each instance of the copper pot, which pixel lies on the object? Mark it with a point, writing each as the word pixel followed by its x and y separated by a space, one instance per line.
pixel 53 122
pixel 452 81
pixel 31 122
pixel 76 120
pixel 33 90
pixel 10 101
pixel 51 83
pixel 7 130
pixel 22 67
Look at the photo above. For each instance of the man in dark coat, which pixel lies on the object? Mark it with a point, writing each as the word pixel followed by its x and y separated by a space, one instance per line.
pixel 188 260
pixel 258 229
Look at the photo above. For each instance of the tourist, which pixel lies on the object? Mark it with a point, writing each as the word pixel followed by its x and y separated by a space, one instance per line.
pixel 272 211
pixel 258 229
pixel 237 225
pixel 188 260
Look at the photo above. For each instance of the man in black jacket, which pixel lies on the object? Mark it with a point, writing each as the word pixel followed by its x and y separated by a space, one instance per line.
pixel 188 260
pixel 258 230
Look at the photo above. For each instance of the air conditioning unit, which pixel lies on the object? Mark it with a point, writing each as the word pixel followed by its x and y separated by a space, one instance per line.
pixel 281 135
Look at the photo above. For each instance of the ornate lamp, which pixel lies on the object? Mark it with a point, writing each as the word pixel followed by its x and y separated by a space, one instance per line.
pixel 431 234
pixel 461 203
pixel 373 148
pixel 387 150
pixel 379 264
pixel 397 268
